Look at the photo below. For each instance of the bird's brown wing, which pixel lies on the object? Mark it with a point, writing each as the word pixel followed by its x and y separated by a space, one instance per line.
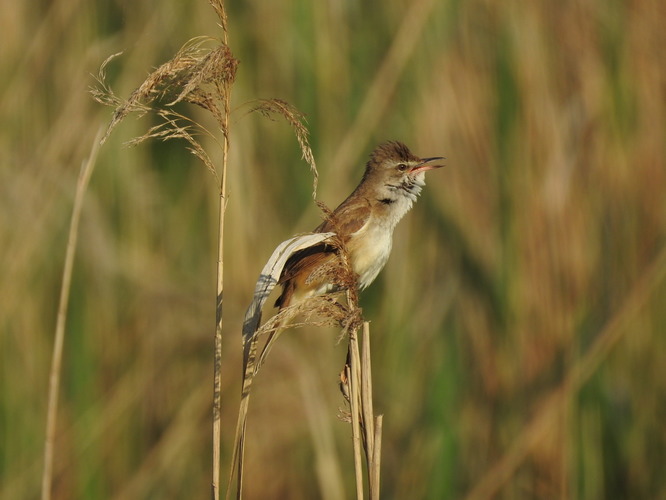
pixel 348 218
pixel 298 269
pixel 345 220
pixel 305 261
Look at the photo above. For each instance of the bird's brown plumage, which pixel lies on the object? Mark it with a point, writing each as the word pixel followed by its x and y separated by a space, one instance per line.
pixel 346 220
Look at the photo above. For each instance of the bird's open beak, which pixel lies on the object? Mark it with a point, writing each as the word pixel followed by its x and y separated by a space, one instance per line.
pixel 426 164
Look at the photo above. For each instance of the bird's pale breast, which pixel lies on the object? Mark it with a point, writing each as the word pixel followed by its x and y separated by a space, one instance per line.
pixel 370 248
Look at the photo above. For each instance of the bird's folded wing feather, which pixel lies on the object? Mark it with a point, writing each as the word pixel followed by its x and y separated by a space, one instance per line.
pixel 348 218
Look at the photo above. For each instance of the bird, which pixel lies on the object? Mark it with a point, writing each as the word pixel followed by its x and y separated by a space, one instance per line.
pixel 364 222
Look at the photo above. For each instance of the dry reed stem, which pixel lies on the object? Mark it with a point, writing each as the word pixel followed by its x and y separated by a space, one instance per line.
pixel 218 5
pixel 56 359
pixel 372 425
pixel 353 378
pixel 358 372
pixel 375 469
pixel 366 394
pixel 217 348
pixel 366 428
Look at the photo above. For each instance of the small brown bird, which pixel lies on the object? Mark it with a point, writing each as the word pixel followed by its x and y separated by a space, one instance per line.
pixel 364 222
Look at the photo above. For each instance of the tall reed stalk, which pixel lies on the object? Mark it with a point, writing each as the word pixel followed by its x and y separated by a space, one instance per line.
pixel 61 322
pixel 366 427
pixel 222 207
pixel 202 76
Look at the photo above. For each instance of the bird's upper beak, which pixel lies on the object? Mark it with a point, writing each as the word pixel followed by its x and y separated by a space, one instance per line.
pixel 426 164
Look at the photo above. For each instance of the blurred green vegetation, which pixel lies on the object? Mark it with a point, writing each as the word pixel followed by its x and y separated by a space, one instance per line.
pixel 518 329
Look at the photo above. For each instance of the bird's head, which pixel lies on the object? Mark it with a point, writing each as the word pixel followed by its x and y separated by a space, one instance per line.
pixel 396 171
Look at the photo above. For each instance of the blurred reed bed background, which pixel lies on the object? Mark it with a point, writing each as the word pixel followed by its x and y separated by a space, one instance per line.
pixel 518 327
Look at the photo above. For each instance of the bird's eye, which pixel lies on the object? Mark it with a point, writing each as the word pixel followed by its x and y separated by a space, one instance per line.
pixel 402 167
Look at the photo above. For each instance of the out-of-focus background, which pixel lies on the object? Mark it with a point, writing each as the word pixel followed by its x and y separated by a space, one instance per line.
pixel 519 328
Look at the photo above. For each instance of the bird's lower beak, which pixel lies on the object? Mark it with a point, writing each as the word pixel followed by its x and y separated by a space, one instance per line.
pixel 426 164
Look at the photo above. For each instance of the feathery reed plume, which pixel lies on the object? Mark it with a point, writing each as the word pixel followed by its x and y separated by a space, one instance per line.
pixel 196 75
pixel 295 118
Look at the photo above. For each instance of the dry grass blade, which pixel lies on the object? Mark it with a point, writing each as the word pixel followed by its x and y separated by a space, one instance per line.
pixel 375 469
pixel 56 362
pixel 296 119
